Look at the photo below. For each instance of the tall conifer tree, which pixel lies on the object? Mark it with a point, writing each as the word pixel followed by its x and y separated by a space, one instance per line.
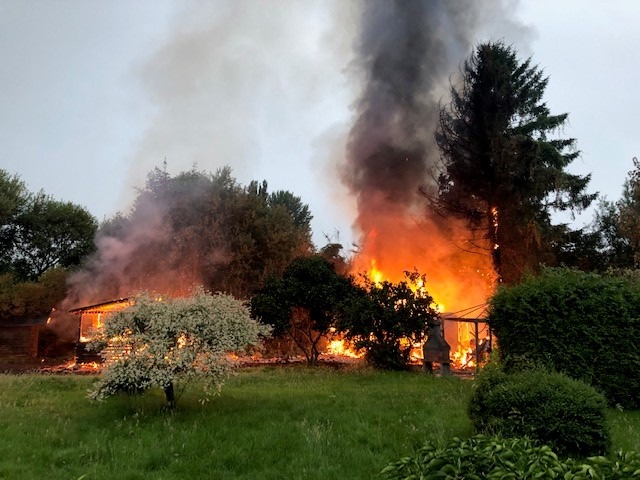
pixel 503 168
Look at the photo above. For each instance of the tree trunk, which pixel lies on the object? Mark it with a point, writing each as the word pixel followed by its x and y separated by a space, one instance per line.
pixel 170 394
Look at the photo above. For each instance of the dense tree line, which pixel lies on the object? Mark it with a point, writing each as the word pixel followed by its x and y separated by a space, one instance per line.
pixel 199 228
pixel 41 239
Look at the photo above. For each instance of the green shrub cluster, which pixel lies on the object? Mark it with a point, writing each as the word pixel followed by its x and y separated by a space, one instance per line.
pixel 485 457
pixel 546 406
pixel 583 324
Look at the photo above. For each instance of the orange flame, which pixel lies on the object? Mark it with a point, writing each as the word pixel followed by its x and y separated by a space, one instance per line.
pixel 458 269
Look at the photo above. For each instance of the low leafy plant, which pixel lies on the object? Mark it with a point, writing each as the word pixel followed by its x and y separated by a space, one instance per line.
pixel 386 319
pixel 546 406
pixel 488 457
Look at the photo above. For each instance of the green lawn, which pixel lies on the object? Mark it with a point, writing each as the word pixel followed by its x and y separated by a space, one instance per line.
pixel 268 423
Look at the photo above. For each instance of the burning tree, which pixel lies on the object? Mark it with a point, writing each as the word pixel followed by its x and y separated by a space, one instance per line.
pixel 503 172
pixel 170 342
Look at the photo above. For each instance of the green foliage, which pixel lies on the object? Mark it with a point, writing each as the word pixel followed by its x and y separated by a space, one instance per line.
pixel 38 233
pixel 386 319
pixel 546 406
pixel 485 457
pixel 302 304
pixel 162 343
pixel 629 208
pixel 617 224
pixel 50 233
pixel 13 195
pixel 31 299
pixel 299 211
pixel 503 172
pixel 583 324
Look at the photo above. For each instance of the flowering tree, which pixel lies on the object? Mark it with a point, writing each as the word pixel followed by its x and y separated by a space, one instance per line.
pixel 170 342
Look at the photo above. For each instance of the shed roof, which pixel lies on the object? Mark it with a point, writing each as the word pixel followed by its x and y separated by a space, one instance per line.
pixel 103 307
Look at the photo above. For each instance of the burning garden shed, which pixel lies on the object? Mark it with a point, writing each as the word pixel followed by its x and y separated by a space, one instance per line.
pixel 90 321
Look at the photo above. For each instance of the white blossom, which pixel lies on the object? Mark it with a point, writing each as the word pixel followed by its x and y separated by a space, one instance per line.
pixel 172 341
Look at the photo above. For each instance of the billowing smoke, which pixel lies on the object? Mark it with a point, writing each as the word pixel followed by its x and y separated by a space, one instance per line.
pixel 160 246
pixel 232 83
pixel 236 84
pixel 253 85
pixel 405 56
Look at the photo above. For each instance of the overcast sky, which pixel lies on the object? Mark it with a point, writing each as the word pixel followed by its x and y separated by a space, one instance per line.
pixel 95 93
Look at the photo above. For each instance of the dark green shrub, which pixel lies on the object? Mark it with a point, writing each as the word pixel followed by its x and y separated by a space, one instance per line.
pixel 483 457
pixel 386 319
pixel 546 406
pixel 582 324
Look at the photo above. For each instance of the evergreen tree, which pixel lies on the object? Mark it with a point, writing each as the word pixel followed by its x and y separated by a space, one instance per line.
pixel 503 171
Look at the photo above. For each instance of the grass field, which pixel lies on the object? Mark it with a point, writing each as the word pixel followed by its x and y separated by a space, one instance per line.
pixel 268 423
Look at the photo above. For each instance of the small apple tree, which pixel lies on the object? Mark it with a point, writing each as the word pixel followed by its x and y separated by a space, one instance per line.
pixel 171 342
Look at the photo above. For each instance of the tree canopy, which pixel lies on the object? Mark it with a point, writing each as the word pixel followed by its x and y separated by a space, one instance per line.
pixel 503 170
pixel 199 228
pixel 623 219
pixel 51 233
pixel 303 302
pixel 38 233
pixel 612 241
pixel 20 300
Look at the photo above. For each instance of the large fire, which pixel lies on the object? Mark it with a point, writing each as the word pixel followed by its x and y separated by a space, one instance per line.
pixel 459 273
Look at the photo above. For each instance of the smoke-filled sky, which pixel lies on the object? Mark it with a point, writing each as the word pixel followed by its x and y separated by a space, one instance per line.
pixel 94 94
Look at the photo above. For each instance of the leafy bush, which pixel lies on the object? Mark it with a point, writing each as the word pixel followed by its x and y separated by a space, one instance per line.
pixel 582 324
pixel 161 343
pixel 386 319
pixel 302 303
pixel 546 406
pixel 484 457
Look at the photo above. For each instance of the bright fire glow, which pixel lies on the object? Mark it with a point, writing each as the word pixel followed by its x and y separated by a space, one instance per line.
pixel 459 272
pixel 342 348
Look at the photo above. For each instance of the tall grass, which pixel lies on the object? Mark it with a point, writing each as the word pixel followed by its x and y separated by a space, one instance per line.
pixel 268 423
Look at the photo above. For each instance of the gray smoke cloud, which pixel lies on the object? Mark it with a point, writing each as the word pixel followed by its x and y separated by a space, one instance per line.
pixel 406 54
pixel 238 82
pixel 246 84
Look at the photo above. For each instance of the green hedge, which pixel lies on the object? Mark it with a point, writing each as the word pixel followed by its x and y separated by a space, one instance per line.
pixel 483 457
pixel 546 406
pixel 582 324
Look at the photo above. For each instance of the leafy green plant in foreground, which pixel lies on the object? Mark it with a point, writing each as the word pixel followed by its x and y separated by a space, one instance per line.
pixel 485 457
pixel 546 406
